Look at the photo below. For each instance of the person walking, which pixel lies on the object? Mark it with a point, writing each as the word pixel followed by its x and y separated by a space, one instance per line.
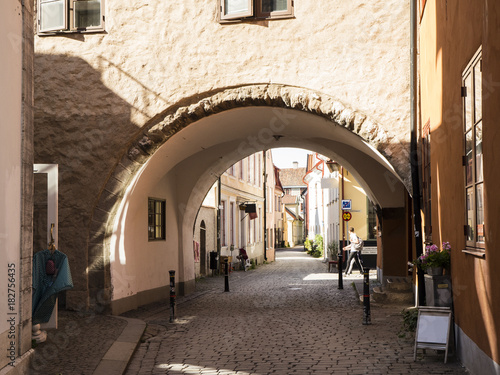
pixel 356 245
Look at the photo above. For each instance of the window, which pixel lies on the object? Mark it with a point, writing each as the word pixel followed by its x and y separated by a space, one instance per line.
pixel 254 178
pixel 223 224
pixel 426 179
pixel 230 170
pixel 371 221
pixel 249 170
pixel 244 9
pixel 240 163
pixel 70 16
pixel 249 239
pixel 156 219
pixel 259 173
pixel 231 223
pixel 473 158
pixel 260 224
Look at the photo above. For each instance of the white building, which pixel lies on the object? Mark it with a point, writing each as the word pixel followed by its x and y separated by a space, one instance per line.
pixel 16 182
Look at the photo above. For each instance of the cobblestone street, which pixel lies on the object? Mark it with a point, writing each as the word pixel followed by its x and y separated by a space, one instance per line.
pixel 287 317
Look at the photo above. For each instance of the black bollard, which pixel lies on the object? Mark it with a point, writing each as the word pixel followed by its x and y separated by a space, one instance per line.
pixel 366 297
pixel 226 275
pixel 341 282
pixel 172 296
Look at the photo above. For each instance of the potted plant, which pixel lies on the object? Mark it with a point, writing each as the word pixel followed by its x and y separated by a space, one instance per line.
pixel 433 261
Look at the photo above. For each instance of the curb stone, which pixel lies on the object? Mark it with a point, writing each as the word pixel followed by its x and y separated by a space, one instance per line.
pixel 116 359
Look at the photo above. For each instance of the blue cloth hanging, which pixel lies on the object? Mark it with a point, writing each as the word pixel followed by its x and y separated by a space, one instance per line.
pixel 46 287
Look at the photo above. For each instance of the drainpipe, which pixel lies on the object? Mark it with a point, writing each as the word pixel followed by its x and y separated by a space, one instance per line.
pixel 414 163
pixel 341 211
pixel 265 205
pixel 218 219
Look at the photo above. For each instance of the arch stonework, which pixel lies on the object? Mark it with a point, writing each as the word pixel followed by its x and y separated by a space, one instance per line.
pixel 161 128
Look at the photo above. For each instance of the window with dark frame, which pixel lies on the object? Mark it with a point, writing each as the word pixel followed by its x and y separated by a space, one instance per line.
pixel 156 219
pixel 371 221
pixel 473 158
pixel 237 10
pixel 426 181
pixel 63 16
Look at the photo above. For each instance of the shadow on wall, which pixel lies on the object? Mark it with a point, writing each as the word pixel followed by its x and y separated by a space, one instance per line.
pixel 81 125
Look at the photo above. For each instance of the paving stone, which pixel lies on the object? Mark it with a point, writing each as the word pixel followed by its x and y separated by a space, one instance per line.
pixel 275 320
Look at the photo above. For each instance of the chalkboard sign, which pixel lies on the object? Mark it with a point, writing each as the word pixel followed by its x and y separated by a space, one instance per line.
pixel 433 329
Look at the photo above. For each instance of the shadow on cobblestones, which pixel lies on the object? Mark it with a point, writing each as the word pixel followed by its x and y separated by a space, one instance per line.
pixel 78 344
pixel 287 317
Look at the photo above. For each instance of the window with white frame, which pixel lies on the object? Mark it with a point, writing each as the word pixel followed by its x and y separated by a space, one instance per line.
pixel 249 170
pixel 473 158
pixel 258 9
pixel 223 224
pixel 56 16
pixel 240 163
pixel 231 223
pixel 260 224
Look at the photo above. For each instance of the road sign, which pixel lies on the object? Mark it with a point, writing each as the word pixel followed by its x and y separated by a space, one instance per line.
pixel 346 204
pixel 346 216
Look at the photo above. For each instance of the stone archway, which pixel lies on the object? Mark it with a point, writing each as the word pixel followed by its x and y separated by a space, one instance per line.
pixel 166 125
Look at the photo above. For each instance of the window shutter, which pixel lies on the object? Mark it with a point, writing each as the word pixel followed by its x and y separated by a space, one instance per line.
pixel 52 15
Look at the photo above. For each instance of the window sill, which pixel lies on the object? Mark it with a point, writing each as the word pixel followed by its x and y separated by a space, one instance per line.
pixel 475 252
pixel 70 32
pixel 254 19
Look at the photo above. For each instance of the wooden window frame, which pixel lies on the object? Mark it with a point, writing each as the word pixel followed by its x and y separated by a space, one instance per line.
pixel 223 235
pixel 253 10
pixel 156 219
pixel 231 223
pixel 288 13
pixel 241 172
pixel 236 15
pixel 68 16
pixel 474 245
pixel 426 182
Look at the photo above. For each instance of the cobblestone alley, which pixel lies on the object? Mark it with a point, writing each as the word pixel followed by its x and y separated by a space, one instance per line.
pixel 287 317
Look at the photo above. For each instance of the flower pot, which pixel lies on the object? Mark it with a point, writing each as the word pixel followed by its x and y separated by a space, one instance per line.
pixel 435 271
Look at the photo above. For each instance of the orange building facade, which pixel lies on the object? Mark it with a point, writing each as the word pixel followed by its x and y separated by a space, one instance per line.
pixel 459 81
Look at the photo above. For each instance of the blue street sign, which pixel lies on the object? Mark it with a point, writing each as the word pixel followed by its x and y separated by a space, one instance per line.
pixel 346 204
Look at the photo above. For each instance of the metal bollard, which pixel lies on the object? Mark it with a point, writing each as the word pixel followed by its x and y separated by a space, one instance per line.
pixel 226 275
pixel 341 282
pixel 172 295
pixel 366 297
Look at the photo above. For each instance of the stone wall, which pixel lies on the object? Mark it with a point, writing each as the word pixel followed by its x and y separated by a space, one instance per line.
pixel 96 93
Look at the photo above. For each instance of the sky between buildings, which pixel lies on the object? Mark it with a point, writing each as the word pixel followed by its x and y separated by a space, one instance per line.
pixel 284 157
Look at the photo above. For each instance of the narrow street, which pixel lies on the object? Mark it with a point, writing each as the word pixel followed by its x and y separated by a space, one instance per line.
pixel 287 317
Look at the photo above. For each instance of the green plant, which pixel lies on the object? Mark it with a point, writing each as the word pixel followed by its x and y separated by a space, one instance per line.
pixel 410 317
pixel 308 245
pixel 252 264
pixel 317 250
pixel 333 249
